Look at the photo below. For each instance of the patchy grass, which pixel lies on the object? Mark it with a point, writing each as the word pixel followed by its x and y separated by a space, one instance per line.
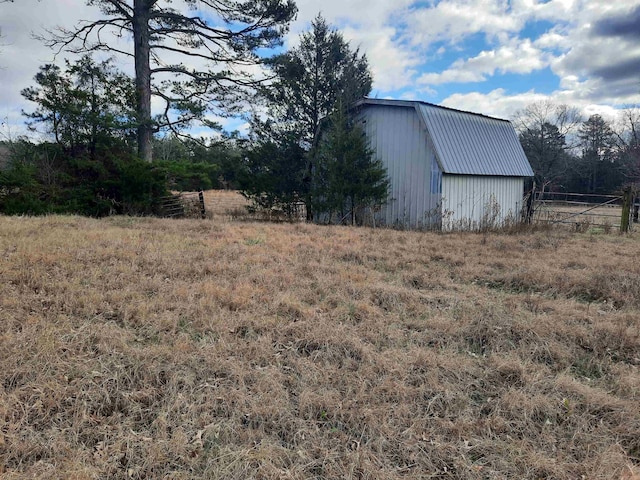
pixel 145 348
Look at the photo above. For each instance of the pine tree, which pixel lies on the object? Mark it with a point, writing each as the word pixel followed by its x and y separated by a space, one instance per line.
pixel 309 81
pixel 599 169
pixel 347 177
pixel 87 104
pixel 313 77
pixel 224 34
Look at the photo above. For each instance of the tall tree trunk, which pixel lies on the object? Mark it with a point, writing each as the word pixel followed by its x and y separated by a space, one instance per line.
pixel 143 77
pixel 315 120
pixel 93 143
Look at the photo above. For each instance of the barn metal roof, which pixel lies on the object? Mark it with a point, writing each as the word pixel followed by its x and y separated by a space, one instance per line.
pixel 469 143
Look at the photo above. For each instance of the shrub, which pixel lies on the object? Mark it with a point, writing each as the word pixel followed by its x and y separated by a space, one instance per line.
pixel 46 178
pixel 190 176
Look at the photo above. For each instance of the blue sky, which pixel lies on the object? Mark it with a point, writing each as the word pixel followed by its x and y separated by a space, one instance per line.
pixel 489 56
pixel 496 56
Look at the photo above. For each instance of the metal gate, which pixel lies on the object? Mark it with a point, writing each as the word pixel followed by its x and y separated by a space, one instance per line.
pixel 583 211
pixel 183 205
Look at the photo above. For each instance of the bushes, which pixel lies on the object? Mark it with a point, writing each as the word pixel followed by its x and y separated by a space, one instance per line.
pixel 47 178
pixel 137 187
pixel 274 173
pixel 190 176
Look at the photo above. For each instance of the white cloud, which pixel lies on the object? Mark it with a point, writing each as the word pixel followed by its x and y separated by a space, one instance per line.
pixel 370 26
pixel 393 67
pixel 518 56
pixel 456 74
pixel 552 10
pixel 594 73
pixel 355 13
pixel 499 103
pixel 21 55
pixel 452 21
pixel 496 103
pixel 551 40
pixel 596 68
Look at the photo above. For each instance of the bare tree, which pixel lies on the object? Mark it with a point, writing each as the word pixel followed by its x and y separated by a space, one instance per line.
pixel 627 131
pixel 548 133
pixel 566 118
pixel 215 43
pixel 1 36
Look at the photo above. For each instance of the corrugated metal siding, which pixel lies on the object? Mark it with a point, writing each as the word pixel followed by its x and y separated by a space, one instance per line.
pixel 398 139
pixel 467 199
pixel 468 143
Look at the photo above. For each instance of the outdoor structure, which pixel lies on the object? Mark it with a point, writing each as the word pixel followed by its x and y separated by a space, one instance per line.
pixel 447 168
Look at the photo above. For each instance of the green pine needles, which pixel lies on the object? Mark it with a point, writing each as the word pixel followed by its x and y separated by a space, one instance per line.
pixel 347 179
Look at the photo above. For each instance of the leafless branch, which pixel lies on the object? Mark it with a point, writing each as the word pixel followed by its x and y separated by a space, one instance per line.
pixel 64 38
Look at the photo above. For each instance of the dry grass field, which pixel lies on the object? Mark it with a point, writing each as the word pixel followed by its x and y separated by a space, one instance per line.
pixel 225 204
pixel 184 349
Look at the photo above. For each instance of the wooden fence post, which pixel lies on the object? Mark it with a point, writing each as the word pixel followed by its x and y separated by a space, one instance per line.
pixel 528 211
pixel 626 210
pixel 202 209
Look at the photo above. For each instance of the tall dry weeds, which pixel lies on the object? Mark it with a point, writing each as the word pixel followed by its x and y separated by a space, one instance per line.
pixel 141 348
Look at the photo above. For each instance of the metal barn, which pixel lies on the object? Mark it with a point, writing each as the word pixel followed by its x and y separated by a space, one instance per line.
pixel 447 168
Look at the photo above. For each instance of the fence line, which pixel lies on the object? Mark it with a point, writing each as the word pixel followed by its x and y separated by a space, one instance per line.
pixel 579 209
pixel 182 205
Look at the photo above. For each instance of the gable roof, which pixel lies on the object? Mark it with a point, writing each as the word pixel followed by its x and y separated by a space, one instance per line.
pixel 468 143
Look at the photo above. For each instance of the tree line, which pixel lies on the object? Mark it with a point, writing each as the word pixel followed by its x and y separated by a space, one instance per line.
pixel 102 151
pixel 569 153
pixel 98 121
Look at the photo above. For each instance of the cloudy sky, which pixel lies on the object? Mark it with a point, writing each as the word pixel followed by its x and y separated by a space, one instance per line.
pixel 487 56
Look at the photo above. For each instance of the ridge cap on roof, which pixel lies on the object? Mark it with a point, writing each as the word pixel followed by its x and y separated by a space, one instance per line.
pixel 422 102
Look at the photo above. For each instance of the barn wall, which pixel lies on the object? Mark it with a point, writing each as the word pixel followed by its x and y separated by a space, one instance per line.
pixel 467 200
pixel 398 138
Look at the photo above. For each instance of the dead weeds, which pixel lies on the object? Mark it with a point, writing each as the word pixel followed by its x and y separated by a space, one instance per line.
pixel 145 348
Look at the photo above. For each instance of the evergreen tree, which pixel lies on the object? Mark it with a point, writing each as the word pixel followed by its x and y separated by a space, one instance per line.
pixel 309 81
pixel 90 168
pixel 313 77
pixel 83 106
pixel 199 165
pixel 346 177
pixel 272 172
pixel 546 150
pixel 171 47
pixel 600 173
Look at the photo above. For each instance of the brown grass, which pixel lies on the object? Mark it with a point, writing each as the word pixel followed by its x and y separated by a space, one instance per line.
pixel 230 205
pixel 145 348
pixel 226 204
